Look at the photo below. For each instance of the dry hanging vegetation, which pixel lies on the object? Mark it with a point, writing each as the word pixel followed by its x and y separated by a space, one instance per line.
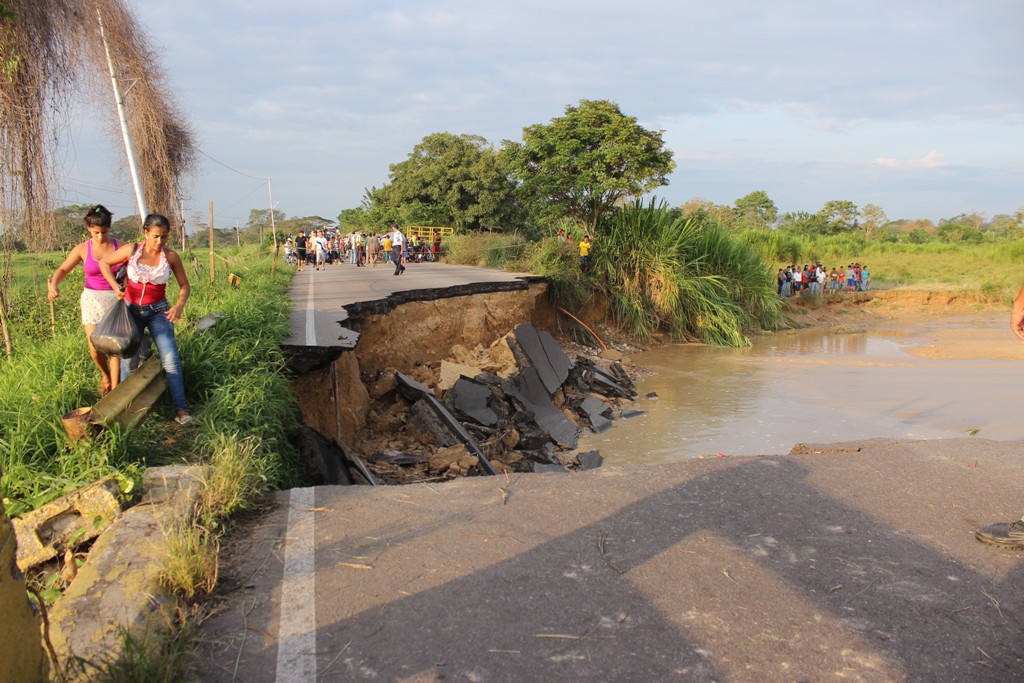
pixel 51 52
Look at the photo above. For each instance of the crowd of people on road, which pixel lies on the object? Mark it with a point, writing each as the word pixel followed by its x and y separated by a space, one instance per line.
pixel 360 248
pixel 817 279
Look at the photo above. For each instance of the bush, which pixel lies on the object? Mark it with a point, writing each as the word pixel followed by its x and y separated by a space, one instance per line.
pixel 687 276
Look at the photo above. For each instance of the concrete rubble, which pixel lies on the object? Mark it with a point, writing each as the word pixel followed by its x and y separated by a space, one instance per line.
pixel 119 586
pixel 517 406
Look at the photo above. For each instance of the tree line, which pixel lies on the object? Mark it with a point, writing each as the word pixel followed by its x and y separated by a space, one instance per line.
pixel 587 162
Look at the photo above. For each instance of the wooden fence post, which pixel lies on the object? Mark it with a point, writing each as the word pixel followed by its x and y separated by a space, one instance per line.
pixel 211 243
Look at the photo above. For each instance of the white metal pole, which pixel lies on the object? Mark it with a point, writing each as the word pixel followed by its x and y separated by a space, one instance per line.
pixel 140 197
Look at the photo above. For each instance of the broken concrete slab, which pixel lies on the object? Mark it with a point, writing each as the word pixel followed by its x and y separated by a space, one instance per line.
pixel 451 373
pixel 415 391
pixel 632 412
pixel 424 420
pixel 72 519
pixel 589 461
pixel 594 378
pixel 598 414
pixel 322 462
pixel 119 586
pixel 393 457
pixel 532 393
pixel 469 399
pixel 545 355
pixel 539 467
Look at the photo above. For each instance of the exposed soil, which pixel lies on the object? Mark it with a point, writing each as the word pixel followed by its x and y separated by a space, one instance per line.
pixel 911 308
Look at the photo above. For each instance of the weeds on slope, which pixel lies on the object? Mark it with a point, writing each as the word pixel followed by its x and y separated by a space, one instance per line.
pixel 233 379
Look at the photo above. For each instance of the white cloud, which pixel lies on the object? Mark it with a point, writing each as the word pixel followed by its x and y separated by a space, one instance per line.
pixel 932 159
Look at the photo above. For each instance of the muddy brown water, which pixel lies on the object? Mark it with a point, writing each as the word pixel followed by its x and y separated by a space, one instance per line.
pixel 927 379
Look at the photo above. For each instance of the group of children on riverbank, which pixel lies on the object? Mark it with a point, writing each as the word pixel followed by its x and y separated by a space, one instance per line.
pixel 817 279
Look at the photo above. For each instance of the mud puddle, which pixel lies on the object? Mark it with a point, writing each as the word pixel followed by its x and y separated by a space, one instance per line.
pixel 927 379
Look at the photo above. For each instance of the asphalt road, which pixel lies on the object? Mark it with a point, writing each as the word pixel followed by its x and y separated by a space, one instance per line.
pixel 317 317
pixel 856 564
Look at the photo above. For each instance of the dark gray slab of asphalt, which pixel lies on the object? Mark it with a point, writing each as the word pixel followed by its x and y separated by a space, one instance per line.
pixel 855 564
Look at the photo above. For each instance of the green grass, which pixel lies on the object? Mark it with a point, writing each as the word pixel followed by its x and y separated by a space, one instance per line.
pixel 687 277
pixel 996 265
pixel 233 379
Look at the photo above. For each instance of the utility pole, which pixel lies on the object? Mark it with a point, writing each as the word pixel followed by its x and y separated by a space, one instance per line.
pixel 238 240
pixel 184 231
pixel 273 226
pixel 140 197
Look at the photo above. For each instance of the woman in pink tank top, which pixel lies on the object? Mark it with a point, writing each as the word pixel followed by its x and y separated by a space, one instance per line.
pixel 97 296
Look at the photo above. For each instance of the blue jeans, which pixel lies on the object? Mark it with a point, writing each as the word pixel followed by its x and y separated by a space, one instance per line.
pixel 153 317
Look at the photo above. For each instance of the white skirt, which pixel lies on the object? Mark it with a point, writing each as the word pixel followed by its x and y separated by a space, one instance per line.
pixel 95 303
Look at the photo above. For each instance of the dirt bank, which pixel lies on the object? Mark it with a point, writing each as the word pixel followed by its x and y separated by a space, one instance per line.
pixel 979 332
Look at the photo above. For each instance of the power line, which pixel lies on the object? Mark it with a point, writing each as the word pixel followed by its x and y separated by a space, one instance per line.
pixel 235 170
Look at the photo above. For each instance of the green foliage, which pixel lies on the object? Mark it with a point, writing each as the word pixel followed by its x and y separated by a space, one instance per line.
pixel 803 223
pixel 874 219
pixel 152 658
pixel 451 180
pixel 931 264
pixel 233 379
pixel 839 215
pixel 663 271
pixel 559 262
pixel 960 232
pixel 584 163
pixel 353 219
pixel 774 245
pixel 488 250
pixel 260 220
pixel 755 210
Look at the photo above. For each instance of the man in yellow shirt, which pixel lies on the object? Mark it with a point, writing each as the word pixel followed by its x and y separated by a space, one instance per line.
pixel 585 252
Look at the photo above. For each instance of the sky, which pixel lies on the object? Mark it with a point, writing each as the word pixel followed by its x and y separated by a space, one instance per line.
pixel 916 106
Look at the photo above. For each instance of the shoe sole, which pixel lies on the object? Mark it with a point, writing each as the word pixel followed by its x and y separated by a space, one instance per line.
pixel 1008 545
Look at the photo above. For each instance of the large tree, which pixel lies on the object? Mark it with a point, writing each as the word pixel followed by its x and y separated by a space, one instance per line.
pixel 874 219
pixel 584 163
pixel 839 215
pixel 456 180
pixel 803 222
pixel 756 210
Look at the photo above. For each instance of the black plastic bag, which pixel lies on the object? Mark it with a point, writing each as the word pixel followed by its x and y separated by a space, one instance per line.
pixel 116 333
pixel 121 276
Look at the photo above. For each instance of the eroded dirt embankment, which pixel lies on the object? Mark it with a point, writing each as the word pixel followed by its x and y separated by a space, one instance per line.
pixel 410 338
pixel 361 399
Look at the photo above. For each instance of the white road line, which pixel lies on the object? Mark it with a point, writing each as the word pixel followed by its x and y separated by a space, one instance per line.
pixel 296 634
pixel 310 317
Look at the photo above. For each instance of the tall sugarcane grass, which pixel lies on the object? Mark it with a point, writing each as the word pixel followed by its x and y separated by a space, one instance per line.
pixel 689 278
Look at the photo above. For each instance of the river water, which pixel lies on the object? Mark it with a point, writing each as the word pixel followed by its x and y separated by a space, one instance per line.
pixel 932 379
